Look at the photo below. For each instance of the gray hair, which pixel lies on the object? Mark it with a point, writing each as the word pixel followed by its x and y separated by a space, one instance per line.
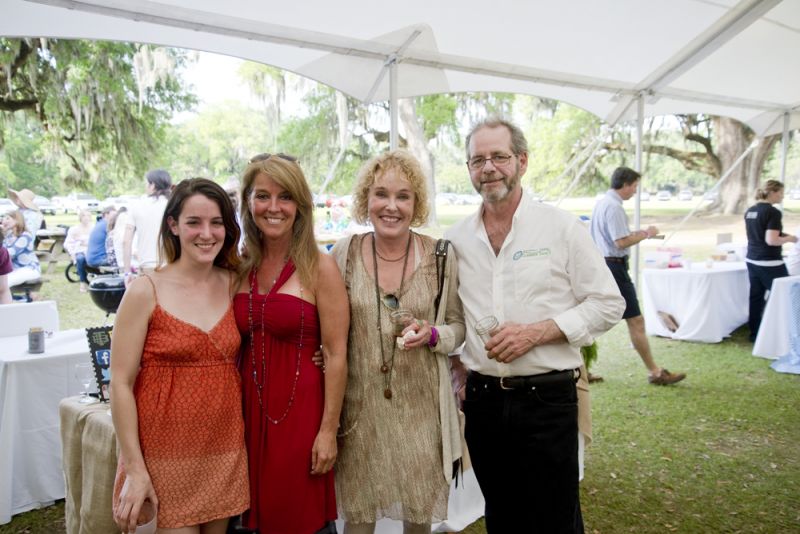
pixel 519 145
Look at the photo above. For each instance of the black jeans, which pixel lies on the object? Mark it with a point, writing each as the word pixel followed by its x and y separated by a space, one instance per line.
pixel 760 282
pixel 524 449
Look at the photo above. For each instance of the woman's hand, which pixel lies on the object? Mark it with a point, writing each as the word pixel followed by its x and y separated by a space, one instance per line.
pixel 319 358
pixel 421 334
pixel 323 453
pixel 128 506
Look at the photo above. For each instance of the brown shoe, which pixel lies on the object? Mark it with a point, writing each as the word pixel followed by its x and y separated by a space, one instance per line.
pixel 665 378
pixel 593 378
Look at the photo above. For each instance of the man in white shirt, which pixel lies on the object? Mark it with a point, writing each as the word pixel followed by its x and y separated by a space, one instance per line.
pixel 534 268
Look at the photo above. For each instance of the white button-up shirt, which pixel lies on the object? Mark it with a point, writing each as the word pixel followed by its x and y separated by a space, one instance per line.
pixel 547 268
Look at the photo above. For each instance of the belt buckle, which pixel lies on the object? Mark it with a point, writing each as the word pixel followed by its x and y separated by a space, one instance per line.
pixel 503 385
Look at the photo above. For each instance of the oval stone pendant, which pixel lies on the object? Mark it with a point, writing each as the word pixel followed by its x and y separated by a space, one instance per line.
pixel 387 393
pixel 384 368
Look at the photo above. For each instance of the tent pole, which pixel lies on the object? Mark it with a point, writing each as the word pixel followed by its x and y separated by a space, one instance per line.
pixel 784 146
pixel 393 141
pixel 637 210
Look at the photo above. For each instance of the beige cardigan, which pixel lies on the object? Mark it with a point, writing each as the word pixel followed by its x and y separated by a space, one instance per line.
pixel 449 324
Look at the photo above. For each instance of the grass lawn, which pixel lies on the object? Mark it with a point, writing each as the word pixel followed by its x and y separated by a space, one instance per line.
pixel 719 452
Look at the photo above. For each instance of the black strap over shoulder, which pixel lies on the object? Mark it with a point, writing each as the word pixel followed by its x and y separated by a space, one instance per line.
pixel 440 252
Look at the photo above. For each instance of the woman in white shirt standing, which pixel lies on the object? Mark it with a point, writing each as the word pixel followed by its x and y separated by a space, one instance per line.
pixel 144 220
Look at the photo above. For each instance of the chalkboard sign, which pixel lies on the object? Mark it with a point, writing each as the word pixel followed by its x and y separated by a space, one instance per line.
pixel 100 351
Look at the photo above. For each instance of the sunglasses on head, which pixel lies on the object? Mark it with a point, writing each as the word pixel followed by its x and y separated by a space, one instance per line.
pixel 391 301
pixel 264 156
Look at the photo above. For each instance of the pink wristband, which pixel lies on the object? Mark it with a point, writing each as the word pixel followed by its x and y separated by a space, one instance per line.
pixel 434 337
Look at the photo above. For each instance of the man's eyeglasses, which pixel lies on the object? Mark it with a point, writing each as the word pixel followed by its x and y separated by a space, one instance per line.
pixel 391 301
pixel 264 156
pixel 499 160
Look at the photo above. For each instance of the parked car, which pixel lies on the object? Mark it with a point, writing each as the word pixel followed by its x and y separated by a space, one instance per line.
pixel 685 194
pixel 794 194
pixel 85 201
pixel 6 206
pixel 61 204
pixel 711 195
pixel 44 205
pixel 663 195
pixel 645 196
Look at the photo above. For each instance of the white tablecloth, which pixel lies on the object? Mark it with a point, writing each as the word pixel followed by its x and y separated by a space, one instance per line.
pixel 773 334
pixel 31 386
pixel 707 303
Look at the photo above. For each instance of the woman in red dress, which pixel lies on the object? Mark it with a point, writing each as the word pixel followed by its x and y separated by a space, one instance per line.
pixel 176 392
pixel 290 298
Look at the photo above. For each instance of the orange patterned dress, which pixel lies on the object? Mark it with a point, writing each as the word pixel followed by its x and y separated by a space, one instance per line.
pixel 191 431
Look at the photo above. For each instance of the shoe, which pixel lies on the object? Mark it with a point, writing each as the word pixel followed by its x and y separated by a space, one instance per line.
pixel 593 378
pixel 665 378
pixel 84 287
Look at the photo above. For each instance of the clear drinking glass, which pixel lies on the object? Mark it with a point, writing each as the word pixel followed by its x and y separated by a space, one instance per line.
pixel 484 327
pixel 84 373
pixel 401 319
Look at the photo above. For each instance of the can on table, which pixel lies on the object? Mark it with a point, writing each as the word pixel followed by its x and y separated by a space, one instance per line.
pixel 36 340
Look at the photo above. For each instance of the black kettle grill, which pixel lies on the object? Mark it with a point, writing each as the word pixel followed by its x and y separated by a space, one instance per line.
pixel 106 292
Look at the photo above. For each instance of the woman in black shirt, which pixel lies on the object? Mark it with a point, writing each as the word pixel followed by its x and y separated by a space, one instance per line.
pixel 764 240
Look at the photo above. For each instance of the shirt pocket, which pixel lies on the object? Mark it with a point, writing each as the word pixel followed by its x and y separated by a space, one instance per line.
pixel 532 277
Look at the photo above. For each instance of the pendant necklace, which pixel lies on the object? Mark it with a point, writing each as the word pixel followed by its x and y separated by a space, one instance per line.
pixel 388 366
pixel 251 327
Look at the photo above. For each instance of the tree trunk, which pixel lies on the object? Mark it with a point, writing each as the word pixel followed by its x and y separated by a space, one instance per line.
pixel 733 138
pixel 418 146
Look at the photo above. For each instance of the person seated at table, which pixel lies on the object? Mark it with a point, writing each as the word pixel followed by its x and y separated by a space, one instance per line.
pixel 5 268
pixel 96 254
pixel 76 244
pixel 20 245
pixel 765 238
pixel 25 201
pixel 175 388
pixel 610 232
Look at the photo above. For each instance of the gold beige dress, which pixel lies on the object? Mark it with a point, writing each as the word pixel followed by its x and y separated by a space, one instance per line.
pixel 390 458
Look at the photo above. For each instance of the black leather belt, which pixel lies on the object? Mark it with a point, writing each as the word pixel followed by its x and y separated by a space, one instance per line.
pixel 623 259
pixel 510 383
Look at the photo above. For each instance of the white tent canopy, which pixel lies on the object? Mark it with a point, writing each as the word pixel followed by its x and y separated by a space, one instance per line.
pixel 738 59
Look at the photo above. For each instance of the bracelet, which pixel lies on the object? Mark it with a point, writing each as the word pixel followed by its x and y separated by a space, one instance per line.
pixel 434 337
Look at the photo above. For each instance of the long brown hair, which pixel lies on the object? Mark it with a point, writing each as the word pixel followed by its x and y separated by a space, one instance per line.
pixel 303 250
pixel 170 244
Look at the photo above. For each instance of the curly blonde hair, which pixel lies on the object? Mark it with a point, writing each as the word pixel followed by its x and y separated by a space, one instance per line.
pixel 404 162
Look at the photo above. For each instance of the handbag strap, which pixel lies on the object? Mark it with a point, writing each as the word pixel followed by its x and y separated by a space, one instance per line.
pixel 441 261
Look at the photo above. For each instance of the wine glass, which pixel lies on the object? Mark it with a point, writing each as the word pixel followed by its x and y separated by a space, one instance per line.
pixel 84 372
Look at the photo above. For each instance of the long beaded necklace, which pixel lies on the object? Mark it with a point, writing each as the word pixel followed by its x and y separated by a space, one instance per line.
pixel 260 385
pixel 387 367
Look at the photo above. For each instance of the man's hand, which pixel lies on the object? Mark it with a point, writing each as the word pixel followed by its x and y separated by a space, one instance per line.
pixel 651 232
pixel 512 340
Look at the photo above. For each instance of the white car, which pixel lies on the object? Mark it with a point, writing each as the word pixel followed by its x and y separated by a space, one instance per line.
pixel 85 201
pixel 685 194
pixel 6 206
pixel 663 195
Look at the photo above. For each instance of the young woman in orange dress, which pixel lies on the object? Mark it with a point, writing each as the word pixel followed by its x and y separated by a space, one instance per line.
pixel 176 391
